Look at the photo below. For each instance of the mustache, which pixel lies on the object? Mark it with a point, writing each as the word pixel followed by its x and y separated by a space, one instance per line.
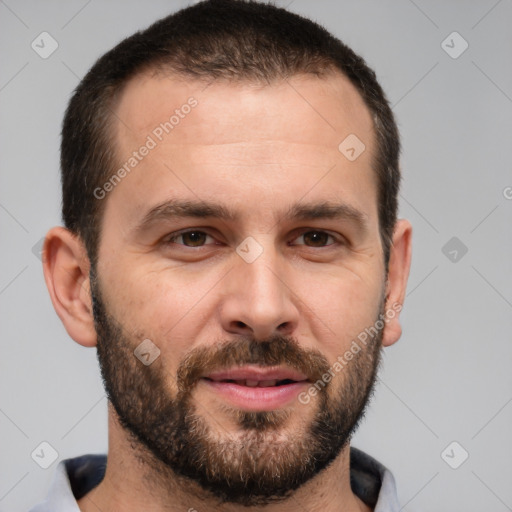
pixel 278 350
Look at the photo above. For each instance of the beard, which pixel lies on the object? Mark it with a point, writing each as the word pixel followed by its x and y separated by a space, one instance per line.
pixel 260 462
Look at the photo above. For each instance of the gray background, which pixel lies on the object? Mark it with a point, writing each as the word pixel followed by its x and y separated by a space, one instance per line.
pixel 448 378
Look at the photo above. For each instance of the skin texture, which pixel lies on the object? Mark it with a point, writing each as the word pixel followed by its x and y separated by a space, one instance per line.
pixel 258 150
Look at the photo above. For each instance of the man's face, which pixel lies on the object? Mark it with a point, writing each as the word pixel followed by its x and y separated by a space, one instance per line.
pixel 251 309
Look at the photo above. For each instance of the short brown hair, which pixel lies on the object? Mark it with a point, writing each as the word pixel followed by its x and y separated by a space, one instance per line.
pixel 238 40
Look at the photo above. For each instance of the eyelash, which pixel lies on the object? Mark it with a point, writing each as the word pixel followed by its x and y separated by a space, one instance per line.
pixel 169 239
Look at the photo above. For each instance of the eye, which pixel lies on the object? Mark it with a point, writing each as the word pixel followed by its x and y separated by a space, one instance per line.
pixel 316 238
pixel 192 238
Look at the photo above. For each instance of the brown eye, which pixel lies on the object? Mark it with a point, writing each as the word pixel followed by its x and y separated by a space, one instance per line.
pixel 194 238
pixel 316 238
pixel 190 238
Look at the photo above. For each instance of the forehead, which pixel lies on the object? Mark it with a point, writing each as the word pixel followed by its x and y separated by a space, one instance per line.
pixel 330 105
pixel 240 139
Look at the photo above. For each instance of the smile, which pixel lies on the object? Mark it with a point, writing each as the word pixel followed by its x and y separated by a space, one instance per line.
pixel 255 388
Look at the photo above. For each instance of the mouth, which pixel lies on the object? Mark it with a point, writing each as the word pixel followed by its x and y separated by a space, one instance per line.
pixel 255 388
pixel 256 383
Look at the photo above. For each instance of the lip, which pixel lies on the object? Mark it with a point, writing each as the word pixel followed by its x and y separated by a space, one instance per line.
pixel 257 373
pixel 256 398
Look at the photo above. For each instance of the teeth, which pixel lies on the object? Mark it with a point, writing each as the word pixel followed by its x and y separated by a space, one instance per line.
pixel 256 383
pixel 267 383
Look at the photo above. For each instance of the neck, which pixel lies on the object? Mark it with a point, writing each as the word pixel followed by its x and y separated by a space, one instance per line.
pixel 132 483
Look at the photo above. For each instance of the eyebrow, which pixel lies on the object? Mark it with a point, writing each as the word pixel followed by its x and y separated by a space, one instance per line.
pixel 328 210
pixel 176 208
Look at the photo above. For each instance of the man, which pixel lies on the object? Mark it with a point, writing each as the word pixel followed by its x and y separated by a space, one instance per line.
pixel 230 180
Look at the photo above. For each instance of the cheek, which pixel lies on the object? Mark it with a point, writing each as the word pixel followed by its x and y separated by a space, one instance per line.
pixel 340 307
pixel 167 306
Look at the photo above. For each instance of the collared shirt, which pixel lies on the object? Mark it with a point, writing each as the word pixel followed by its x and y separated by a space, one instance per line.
pixel 74 478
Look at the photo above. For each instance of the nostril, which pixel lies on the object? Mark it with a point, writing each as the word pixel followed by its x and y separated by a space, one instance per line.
pixel 240 324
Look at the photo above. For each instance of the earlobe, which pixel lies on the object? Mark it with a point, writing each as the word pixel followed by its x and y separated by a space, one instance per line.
pixel 398 274
pixel 66 272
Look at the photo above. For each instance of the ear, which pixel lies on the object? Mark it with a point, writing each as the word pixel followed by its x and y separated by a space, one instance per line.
pixel 398 273
pixel 66 272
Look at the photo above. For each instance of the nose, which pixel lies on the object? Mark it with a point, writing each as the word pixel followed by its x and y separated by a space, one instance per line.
pixel 258 300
